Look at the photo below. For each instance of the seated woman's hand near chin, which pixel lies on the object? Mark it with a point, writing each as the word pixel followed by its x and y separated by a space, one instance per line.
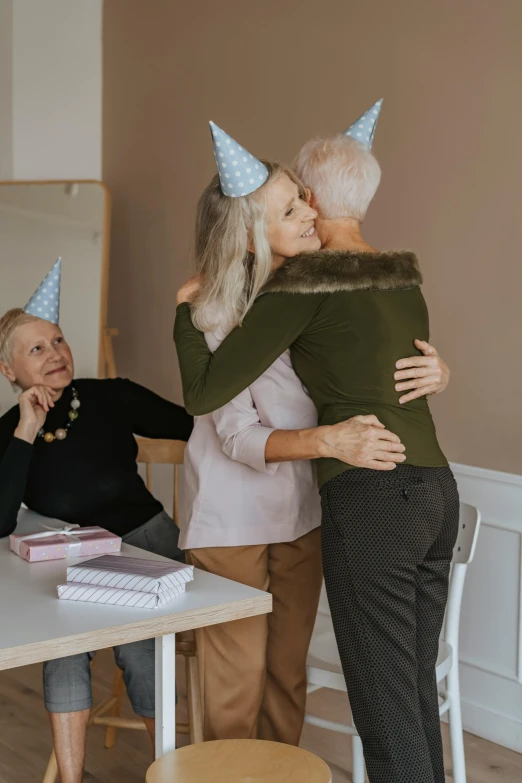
pixel 35 403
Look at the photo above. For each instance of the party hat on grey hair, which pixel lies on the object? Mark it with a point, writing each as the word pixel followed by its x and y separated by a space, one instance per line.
pixel 239 172
pixel 363 129
pixel 45 302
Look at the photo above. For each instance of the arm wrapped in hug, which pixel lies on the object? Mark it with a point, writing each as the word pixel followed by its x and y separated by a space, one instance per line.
pixel 210 380
pixel 243 438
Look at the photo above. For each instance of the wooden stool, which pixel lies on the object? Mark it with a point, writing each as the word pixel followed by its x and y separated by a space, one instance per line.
pixel 239 761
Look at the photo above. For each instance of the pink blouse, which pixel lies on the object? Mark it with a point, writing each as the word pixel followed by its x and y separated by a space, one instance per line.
pixel 231 496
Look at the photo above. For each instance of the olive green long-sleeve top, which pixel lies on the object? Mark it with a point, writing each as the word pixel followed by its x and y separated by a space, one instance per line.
pixel 347 318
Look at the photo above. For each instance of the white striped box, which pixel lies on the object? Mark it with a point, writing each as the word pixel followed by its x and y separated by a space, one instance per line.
pixel 74 591
pixel 131 573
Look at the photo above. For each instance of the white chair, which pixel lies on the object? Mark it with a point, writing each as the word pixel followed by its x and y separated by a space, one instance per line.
pixel 324 665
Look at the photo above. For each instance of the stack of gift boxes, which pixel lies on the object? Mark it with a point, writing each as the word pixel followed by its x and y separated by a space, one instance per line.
pixel 126 581
pixel 107 578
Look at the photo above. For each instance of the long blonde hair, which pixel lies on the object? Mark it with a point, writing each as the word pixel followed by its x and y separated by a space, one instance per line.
pixel 233 275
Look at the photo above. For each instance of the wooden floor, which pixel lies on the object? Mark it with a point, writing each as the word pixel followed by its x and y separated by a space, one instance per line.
pixel 25 740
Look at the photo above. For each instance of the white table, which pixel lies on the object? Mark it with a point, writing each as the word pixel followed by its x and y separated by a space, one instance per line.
pixel 37 627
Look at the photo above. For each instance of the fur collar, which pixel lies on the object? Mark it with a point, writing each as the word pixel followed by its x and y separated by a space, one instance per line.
pixel 328 271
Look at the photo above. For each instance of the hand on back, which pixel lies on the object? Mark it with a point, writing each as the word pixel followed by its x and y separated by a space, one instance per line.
pixel 363 442
pixel 425 374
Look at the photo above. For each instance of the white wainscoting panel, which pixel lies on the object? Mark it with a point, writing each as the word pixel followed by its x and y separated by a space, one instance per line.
pixel 491 623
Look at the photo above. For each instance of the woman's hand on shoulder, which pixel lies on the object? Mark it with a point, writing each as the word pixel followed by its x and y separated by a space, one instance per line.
pixel 190 289
pixel 35 403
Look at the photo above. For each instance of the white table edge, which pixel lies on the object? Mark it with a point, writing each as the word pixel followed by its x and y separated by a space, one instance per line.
pixel 143 629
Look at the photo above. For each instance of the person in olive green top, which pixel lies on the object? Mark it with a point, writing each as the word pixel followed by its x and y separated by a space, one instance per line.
pixel 347 313
pixel 347 318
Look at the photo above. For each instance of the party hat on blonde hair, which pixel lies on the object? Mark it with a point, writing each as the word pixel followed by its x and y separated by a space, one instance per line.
pixel 45 302
pixel 240 173
pixel 363 129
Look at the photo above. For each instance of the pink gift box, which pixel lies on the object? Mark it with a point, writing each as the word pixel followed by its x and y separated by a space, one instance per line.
pixel 52 543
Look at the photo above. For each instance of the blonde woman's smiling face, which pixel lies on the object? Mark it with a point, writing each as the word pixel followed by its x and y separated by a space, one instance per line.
pixel 290 220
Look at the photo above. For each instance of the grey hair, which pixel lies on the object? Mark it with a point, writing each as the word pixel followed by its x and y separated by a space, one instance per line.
pixel 342 174
pixel 232 252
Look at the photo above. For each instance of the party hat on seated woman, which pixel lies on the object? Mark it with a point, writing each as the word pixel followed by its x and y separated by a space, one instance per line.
pixel 45 302
pixel 363 129
pixel 240 173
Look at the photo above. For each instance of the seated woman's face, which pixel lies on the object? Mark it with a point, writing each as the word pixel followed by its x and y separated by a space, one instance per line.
pixel 290 221
pixel 40 356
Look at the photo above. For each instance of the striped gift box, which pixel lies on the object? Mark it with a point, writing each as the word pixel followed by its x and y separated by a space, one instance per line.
pixel 74 591
pixel 126 581
pixel 131 573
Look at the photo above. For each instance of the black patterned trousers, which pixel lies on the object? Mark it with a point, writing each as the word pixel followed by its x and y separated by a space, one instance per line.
pixel 387 546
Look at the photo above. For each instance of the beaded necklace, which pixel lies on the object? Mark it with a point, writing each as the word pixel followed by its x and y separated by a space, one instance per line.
pixel 61 432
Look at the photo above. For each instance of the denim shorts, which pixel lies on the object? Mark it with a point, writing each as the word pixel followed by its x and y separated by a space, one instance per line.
pixel 67 681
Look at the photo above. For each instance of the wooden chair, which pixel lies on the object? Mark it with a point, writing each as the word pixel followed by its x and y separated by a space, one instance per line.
pixel 150 452
pixel 108 350
pixel 238 761
pixel 162 452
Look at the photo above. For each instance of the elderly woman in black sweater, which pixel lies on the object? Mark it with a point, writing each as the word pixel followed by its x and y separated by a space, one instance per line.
pixel 67 451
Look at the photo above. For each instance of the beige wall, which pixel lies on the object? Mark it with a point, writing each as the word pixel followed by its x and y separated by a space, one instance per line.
pixel 274 74
pixel 50 89
pixel 57 78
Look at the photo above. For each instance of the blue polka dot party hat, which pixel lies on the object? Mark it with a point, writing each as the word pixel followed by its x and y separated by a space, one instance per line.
pixel 45 302
pixel 363 129
pixel 240 173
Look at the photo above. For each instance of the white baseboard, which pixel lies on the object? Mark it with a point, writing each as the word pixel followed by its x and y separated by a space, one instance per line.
pixel 502 729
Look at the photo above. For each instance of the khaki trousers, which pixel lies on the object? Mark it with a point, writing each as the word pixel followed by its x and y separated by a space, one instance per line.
pixel 253 671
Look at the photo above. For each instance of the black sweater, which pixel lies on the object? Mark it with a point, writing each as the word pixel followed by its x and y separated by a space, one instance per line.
pixel 91 477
